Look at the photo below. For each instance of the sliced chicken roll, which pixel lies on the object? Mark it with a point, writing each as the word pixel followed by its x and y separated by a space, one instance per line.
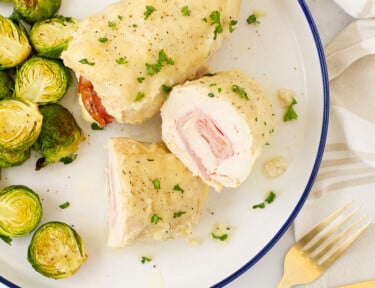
pixel 217 126
pixel 129 55
pixel 151 194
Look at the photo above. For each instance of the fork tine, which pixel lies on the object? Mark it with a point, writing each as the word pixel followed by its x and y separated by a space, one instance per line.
pixel 318 228
pixel 330 232
pixel 337 238
pixel 344 246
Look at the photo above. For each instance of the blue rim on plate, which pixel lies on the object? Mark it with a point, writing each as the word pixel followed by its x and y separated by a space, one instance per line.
pixel 314 172
pixel 8 283
pixel 323 69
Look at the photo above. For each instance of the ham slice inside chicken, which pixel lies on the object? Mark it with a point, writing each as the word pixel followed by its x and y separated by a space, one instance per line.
pixel 219 144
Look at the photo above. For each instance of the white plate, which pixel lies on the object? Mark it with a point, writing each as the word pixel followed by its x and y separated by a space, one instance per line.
pixel 283 51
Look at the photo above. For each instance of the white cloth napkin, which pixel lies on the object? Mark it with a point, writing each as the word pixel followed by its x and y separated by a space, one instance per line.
pixel 347 171
pixel 358 8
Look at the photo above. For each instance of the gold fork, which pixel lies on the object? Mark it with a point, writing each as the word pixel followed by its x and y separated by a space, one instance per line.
pixel 308 258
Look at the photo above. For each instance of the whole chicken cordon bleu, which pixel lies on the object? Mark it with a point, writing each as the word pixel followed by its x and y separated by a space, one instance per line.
pixel 151 194
pixel 128 56
pixel 217 126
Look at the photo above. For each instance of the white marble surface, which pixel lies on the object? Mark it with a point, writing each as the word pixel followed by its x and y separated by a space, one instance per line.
pixel 330 19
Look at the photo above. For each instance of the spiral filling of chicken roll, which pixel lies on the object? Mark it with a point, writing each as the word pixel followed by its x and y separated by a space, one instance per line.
pixel 214 131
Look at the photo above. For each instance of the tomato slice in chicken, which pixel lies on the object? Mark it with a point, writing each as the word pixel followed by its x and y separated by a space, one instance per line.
pixel 93 103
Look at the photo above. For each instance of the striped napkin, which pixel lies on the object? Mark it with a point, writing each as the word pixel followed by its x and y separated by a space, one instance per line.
pixel 347 170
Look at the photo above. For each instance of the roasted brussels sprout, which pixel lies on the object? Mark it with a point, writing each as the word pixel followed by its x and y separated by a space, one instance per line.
pixel 14 44
pixel 20 124
pixel 20 211
pixel 41 80
pixel 52 36
pixel 60 135
pixel 36 10
pixel 6 85
pixel 13 158
pixel 56 250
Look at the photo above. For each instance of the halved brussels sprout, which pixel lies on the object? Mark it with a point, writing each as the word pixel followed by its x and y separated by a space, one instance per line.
pixel 60 135
pixel 56 250
pixel 36 10
pixel 41 80
pixel 14 44
pixel 13 158
pixel 6 85
pixel 20 124
pixel 52 36
pixel 20 211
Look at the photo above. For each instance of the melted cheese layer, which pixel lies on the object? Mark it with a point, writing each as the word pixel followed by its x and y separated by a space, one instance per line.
pixel 122 45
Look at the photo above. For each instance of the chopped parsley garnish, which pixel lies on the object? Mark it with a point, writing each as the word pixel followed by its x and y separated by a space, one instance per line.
pixel 219 89
pixel 204 19
pixel 240 91
pixel 139 96
pixel 140 79
pixel 269 199
pixel 163 58
pixel 149 10
pixel 134 25
pixel 155 219
pixel 103 39
pixel 185 11
pixel 211 94
pixel 178 188
pixel 219 237
pixel 156 183
pixel 260 205
pixel 150 160
pixel 209 74
pixel 85 61
pixel 145 259
pixel 68 159
pixel 167 89
pixel 178 214
pixel 95 126
pixel 232 23
pixel 6 239
pixel 291 113
pixel 112 24
pixel 120 17
pixel 152 69
pixel 252 19
pixel 212 84
pixel 121 60
pixel 64 205
pixel 215 20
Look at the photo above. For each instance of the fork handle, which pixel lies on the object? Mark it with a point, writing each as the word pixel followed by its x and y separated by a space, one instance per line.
pixel 284 283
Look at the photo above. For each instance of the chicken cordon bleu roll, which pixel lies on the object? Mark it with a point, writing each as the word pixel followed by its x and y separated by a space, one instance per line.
pixel 217 126
pixel 128 56
pixel 151 194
